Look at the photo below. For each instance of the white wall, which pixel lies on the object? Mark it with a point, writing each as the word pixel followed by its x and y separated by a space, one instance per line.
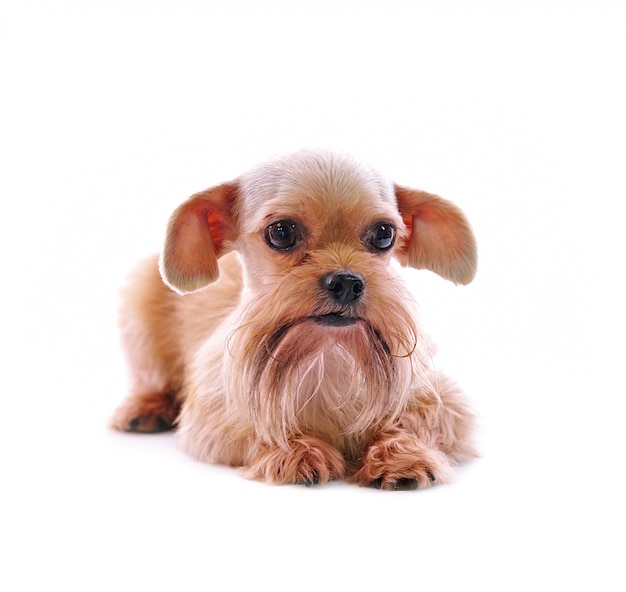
pixel 112 113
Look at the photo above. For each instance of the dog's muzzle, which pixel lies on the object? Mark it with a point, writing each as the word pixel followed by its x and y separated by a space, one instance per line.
pixel 344 289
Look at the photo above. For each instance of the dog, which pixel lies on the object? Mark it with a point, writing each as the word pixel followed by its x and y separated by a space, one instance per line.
pixel 276 334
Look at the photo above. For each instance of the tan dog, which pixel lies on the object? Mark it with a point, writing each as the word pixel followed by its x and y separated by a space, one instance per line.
pixel 299 357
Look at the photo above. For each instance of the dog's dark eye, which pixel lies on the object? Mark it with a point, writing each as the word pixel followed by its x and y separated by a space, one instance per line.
pixel 381 236
pixel 282 235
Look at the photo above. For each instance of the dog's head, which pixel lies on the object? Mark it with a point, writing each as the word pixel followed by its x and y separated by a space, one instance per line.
pixel 316 233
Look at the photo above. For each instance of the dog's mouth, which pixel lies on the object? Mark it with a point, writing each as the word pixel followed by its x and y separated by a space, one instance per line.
pixel 335 319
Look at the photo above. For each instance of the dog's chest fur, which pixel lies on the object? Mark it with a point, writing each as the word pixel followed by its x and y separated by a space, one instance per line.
pixel 331 397
pixel 335 390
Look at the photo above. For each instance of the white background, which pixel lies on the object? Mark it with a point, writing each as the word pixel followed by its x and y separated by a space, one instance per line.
pixel 112 113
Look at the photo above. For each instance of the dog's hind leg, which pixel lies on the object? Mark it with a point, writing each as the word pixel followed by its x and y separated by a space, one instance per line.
pixel 150 335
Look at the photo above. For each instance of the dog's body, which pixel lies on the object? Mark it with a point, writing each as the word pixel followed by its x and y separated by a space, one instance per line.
pixel 300 358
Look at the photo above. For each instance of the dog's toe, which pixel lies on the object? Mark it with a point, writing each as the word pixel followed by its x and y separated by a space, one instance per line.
pixel 149 424
pixel 377 483
pixel 405 484
pixel 400 484
pixel 312 479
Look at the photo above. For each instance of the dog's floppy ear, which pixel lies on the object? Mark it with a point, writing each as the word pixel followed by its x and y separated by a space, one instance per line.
pixel 440 237
pixel 199 231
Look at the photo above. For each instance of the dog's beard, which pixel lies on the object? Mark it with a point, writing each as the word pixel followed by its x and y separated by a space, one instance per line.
pixel 297 375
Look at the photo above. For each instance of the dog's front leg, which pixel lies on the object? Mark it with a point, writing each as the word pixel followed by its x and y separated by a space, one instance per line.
pixel 304 459
pixel 421 447
pixel 397 459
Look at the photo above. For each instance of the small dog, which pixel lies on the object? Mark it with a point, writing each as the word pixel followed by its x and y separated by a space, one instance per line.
pixel 288 344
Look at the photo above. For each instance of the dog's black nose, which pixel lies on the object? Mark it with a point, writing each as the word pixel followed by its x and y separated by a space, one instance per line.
pixel 343 287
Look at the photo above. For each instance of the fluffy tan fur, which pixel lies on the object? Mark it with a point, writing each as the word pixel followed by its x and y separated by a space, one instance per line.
pixel 226 340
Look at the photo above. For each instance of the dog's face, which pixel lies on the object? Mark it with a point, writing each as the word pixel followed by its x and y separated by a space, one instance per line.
pixel 316 234
pixel 318 239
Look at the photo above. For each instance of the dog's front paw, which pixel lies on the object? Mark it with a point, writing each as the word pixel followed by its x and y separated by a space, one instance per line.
pixel 308 460
pixel 397 460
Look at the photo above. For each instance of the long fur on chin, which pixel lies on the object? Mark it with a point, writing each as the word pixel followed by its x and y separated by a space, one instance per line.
pixel 259 366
